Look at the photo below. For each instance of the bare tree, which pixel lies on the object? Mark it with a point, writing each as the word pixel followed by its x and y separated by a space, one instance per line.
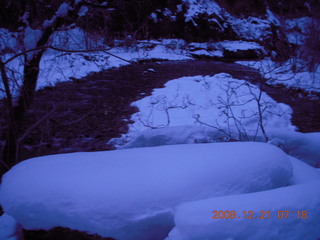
pixel 35 37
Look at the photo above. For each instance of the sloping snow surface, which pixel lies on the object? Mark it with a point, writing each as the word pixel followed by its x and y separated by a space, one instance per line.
pixel 131 194
pixel 194 220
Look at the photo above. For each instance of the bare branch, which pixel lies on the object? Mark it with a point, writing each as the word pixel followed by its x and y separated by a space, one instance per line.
pixel 5 80
pixel 64 50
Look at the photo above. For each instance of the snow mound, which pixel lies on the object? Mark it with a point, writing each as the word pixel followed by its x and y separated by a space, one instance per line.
pixel 194 220
pixel 220 101
pixel 303 146
pixel 175 135
pixel 302 172
pixel 122 193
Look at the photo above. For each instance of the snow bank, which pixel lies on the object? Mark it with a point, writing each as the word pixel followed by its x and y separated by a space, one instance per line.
pixel 227 49
pixel 302 172
pixel 224 103
pixel 122 193
pixel 282 73
pixel 194 220
pixel 304 146
pixel 57 67
pixel 174 135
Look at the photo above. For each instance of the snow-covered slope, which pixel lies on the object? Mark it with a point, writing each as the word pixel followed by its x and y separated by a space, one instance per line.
pixel 294 214
pixel 127 194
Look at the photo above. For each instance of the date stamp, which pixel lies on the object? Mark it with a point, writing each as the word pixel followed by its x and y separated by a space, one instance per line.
pixel 259 214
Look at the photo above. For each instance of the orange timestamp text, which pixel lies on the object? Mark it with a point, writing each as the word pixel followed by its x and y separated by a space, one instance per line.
pixel 283 214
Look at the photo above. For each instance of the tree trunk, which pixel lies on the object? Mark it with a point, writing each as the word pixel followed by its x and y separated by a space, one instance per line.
pixel 17 113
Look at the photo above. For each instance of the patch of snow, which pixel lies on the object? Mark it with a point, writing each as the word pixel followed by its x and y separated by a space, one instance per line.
pixel 220 101
pixel 8 41
pixel 154 17
pixel 251 28
pixel 282 73
pixel 179 7
pixel 194 220
pixel 83 11
pixel 175 135
pixel 297 29
pixel 304 146
pixel 197 46
pixel 117 193
pixel 58 66
pixel 302 172
pixel 196 7
pixel 239 45
pixel 63 10
pixel 166 12
pixel 30 41
pixel 76 39
pixel 272 18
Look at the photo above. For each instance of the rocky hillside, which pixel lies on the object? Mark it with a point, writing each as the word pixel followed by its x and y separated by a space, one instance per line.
pixel 280 26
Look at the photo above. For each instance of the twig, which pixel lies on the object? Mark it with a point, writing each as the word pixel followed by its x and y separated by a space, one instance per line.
pixel 64 50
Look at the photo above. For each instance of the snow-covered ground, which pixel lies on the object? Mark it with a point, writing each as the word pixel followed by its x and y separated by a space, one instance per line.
pixel 136 193
pixel 282 73
pixel 57 66
pixel 285 207
pixel 227 105
pixel 215 108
